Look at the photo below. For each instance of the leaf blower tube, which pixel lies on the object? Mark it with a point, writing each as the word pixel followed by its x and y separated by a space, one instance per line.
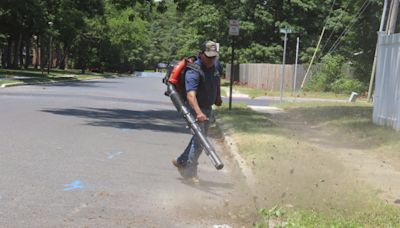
pixel 182 109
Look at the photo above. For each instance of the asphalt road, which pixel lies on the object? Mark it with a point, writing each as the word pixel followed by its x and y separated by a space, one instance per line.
pixel 98 154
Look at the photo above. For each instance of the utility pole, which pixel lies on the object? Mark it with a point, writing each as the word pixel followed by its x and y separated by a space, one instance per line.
pixel 389 16
pixel 390 29
pixel 313 57
pixel 373 71
pixel 393 17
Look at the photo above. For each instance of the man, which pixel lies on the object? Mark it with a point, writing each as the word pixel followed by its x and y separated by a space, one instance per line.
pixel 201 94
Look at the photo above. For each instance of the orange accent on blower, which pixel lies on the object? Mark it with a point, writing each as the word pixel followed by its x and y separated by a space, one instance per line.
pixel 176 72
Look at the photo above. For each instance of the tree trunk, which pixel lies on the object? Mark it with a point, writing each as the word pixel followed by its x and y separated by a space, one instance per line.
pixel 37 51
pixel 8 52
pixel 64 57
pixel 62 60
pixel 66 54
pixel 21 53
pixel 17 46
pixel 41 54
pixel 27 52
pixel 58 55
pixel 2 57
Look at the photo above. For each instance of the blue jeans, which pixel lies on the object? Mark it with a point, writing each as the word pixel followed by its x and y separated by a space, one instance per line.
pixel 189 158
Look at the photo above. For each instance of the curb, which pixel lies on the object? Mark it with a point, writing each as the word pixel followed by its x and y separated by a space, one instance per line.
pixel 240 161
pixel 235 94
pixel 12 84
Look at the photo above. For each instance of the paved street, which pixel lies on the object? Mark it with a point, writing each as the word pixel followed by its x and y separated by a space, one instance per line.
pixel 97 154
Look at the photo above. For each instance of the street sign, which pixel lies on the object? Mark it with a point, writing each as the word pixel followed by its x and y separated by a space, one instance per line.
pixel 234 26
pixel 285 30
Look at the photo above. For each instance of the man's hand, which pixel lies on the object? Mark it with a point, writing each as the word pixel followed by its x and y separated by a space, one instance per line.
pixel 201 117
pixel 191 97
pixel 218 101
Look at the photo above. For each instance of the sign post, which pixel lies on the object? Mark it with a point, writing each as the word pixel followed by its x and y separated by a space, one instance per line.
pixel 234 26
pixel 286 30
pixel 295 65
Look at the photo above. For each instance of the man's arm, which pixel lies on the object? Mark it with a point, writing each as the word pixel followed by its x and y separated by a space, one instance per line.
pixel 218 100
pixel 191 97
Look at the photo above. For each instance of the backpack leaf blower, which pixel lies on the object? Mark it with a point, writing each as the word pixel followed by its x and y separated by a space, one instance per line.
pixel 174 80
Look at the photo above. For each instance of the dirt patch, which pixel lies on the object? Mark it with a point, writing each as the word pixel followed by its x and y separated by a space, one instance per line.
pixel 323 157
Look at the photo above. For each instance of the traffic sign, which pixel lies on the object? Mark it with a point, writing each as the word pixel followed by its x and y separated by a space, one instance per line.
pixel 234 26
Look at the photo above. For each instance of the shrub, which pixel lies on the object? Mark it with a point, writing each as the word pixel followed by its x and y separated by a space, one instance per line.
pixel 343 85
pixel 318 83
pixel 330 78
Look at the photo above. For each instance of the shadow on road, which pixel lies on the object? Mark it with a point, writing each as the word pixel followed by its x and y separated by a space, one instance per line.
pixel 156 120
pixel 208 186
pixel 77 83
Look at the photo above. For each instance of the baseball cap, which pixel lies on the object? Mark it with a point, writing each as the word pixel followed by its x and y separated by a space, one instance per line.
pixel 210 49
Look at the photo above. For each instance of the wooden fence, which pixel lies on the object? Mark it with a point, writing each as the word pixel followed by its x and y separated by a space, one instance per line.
pixel 268 76
pixel 387 87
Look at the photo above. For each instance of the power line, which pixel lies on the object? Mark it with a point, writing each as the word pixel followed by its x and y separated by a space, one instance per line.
pixel 345 31
pixel 362 9
pixel 331 34
pixel 319 42
pixel 330 11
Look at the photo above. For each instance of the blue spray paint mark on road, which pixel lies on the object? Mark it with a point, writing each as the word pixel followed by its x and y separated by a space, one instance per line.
pixel 74 185
pixel 112 155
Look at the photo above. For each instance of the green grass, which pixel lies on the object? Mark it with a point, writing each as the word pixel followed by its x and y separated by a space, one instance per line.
pixel 276 149
pixel 349 121
pixel 376 216
pixel 293 105
pixel 37 76
pixel 343 121
pixel 379 215
pixel 256 92
pixel 243 120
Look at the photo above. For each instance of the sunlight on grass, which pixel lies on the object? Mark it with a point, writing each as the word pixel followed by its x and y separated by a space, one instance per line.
pixel 32 76
pixel 380 215
pixel 289 164
pixel 258 92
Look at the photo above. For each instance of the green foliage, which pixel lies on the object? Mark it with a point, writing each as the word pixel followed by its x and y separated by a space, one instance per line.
pixel 329 77
pixel 344 85
pixel 257 53
pixel 331 66
pixel 120 34
pixel 127 35
pixel 276 214
pixel 380 216
pixel 329 71
pixel 318 83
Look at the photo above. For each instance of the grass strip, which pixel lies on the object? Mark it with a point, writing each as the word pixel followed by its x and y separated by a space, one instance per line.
pixel 258 92
pixel 34 76
pixel 287 164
